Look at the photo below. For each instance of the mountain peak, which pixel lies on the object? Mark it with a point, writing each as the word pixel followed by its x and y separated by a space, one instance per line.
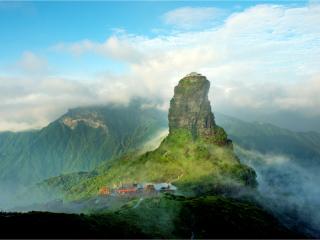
pixel 190 107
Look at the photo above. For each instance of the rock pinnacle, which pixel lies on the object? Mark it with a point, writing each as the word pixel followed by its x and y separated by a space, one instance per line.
pixel 190 107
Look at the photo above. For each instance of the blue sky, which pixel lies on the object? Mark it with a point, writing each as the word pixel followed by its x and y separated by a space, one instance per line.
pixel 260 56
pixel 35 26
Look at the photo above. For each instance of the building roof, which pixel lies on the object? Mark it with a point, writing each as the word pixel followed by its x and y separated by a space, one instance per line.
pixel 193 74
pixel 159 186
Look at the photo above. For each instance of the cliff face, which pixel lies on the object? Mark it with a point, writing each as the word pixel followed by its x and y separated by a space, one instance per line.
pixel 190 109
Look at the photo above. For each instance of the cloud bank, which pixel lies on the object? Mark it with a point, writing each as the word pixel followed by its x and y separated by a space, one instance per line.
pixel 265 58
pixel 289 190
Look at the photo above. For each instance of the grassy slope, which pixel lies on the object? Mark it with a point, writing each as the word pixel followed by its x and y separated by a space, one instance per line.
pixel 192 165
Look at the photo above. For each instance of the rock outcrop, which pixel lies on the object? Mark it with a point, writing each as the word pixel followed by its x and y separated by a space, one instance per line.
pixel 190 109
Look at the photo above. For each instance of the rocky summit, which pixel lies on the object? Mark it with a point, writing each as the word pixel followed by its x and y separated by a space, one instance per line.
pixel 190 109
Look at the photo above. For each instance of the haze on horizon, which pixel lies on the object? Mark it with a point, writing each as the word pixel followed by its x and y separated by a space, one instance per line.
pixel 262 57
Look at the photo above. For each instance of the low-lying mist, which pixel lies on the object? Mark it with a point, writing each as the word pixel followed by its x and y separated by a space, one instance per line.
pixel 16 197
pixel 290 191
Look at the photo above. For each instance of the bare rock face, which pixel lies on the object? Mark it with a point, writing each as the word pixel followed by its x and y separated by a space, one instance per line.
pixel 190 109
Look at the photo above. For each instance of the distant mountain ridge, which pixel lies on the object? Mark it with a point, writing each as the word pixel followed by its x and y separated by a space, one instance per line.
pixel 301 147
pixel 78 141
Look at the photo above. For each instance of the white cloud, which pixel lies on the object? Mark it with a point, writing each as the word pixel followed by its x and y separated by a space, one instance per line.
pixel 190 17
pixel 31 103
pixel 114 47
pixel 303 95
pixel 265 58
